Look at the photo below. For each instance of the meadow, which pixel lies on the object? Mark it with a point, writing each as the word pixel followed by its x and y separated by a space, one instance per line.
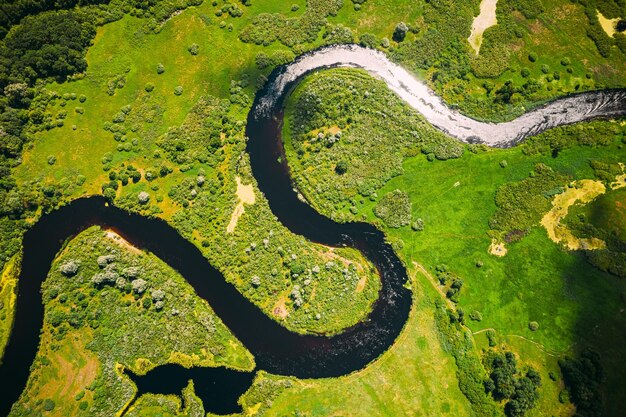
pixel 155 121
pixel 450 223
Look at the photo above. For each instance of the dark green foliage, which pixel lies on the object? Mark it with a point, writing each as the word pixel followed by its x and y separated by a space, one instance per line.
pixel 521 204
pixel 368 40
pixel 15 10
pixel 341 167
pixel 277 58
pixel 608 8
pixel 48 404
pixel 394 209
pixel 400 31
pixel 507 384
pixel 529 8
pixel 267 28
pixel 458 342
pixel 583 377
pixel 51 44
pixel 587 134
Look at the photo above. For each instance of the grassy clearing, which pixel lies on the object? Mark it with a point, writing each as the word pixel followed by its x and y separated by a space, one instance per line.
pixel 414 377
pixel 573 302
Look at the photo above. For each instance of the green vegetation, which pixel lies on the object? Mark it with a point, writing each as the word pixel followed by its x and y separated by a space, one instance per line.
pixel 8 284
pixel 522 204
pixel 583 377
pixel 147 107
pixel 536 282
pixel 108 304
pixel 604 218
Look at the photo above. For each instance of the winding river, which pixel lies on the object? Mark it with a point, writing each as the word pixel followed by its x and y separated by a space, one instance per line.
pixel 276 349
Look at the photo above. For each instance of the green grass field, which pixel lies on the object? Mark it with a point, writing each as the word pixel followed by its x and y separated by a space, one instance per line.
pixel 574 303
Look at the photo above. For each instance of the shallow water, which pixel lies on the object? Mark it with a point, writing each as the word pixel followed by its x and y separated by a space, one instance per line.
pixel 567 110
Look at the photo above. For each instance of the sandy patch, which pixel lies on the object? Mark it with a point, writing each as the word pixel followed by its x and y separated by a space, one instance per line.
pixel 584 192
pixel 112 234
pixel 485 19
pixel 360 286
pixel 245 193
pixel 497 248
pixel 608 25
pixel 280 309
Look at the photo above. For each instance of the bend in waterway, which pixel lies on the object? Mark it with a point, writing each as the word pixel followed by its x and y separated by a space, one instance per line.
pixel 276 349
pixel 571 109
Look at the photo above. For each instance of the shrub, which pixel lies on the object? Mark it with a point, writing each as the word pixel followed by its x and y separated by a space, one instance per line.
pixel 158 295
pixel 532 57
pixel 149 87
pixel 418 225
pixel 69 268
pixel 503 163
pixel 400 31
pixel 143 197
pixel 139 286
pixel 194 48
pixel 52 160
pixel 341 167
pixel 178 90
pixel 475 315
pixel 48 404
pixel 394 209
pixel 533 326
pixel 368 40
pixel 160 69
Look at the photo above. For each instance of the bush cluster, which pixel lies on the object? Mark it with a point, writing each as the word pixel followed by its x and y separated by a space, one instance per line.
pixel 394 209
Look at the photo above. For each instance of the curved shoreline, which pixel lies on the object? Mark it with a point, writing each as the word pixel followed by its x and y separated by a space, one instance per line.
pixel 276 349
pixel 562 111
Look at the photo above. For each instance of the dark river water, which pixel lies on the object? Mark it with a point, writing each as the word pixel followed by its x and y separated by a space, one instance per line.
pixel 276 349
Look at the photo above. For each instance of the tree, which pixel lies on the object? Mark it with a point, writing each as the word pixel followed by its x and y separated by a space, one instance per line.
pixel 158 295
pixel 140 286
pixel 194 48
pixel 341 167
pixel 400 32
pixel 143 197
pixel 69 268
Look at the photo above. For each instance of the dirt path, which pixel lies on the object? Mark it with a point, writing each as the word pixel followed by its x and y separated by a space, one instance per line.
pixel 537 344
pixel 433 282
pixel 245 193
